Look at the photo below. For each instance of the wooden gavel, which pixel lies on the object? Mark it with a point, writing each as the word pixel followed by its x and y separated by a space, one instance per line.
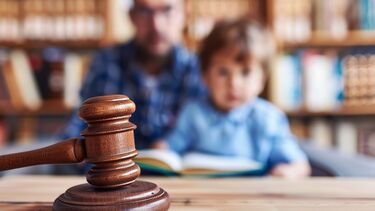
pixel 108 144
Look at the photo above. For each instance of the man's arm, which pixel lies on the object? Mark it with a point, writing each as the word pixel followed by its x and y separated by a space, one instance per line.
pixel 192 86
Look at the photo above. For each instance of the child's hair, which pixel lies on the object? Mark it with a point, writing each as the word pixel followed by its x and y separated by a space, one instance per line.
pixel 247 38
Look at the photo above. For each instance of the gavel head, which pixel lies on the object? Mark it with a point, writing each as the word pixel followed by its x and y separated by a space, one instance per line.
pixel 109 141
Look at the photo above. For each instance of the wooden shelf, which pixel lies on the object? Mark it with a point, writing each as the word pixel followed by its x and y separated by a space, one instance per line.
pixel 63 44
pixel 354 38
pixel 363 110
pixel 49 108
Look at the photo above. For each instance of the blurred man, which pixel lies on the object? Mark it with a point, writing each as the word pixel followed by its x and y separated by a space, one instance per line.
pixel 153 69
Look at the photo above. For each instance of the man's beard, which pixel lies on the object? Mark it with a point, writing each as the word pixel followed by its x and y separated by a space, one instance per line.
pixel 144 55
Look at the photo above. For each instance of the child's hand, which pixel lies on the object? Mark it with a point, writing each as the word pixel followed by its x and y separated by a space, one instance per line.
pixel 159 145
pixel 294 170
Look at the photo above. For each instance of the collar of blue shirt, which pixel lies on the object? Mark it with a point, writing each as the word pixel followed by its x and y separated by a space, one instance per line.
pixel 236 116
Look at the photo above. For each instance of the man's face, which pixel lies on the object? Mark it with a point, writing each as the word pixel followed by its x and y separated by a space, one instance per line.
pixel 158 24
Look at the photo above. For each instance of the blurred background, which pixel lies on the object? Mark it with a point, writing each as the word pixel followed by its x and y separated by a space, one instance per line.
pixel 323 75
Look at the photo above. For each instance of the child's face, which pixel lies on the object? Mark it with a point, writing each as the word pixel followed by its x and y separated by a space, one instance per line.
pixel 231 83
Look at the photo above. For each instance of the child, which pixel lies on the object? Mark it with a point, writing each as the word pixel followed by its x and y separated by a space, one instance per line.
pixel 233 121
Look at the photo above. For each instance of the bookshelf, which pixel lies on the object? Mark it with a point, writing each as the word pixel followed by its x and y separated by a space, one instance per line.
pixel 48 108
pixel 66 27
pixel 323 32
pixel 364 111
pixel 324 69
pixel 202 14
pixel 54 40
pixel 321 39
pixel 73 45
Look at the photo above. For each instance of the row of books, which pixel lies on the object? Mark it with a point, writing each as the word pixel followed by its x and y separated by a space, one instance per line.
pixel 29 78
pixel 62 20
pixel 51 20
pixel 323 80
pixel 359 78
pixel 295 20
pixel 23 130
pixel 202 14
pixel 349 135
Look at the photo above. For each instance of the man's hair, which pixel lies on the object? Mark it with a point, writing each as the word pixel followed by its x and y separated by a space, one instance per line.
pixel 246 37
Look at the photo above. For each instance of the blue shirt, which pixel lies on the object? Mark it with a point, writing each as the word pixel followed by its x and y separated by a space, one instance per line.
pixel 158 99
pixel 257 131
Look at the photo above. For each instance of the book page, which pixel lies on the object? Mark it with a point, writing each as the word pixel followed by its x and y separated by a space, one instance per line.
pixel 160 158
pixel 217 163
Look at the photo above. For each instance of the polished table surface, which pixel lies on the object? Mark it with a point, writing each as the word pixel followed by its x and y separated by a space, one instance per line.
pixel 38 193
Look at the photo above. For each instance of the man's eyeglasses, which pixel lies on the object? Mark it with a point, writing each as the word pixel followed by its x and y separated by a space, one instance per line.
pixel 147 13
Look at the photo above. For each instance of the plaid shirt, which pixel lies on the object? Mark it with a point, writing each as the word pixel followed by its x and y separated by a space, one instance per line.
pixel 158 99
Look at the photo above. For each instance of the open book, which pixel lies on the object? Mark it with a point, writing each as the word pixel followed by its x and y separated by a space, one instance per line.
pixel 195 164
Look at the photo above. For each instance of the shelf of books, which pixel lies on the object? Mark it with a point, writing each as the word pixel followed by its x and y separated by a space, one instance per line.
pixel 323 76
pixel 324 73
pixel 35 85
pixel 63 22
pixel 322 39
pixel 45 49
pixel 71 45
pixel 301 21
pixel 47 108
pixel 202 15
pixel 364 110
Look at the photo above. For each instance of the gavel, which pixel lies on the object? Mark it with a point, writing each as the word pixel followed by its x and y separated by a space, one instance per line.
pixel 107 144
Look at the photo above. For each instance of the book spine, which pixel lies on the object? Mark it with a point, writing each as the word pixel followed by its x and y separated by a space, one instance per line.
pixel 371 82
pixel 286 90
pixel 53 68
pixel 75 67
pixel 3 134
pixel 346 133
pixel 320 131
pixel 366 140
pixel 10 80
pixel 4 92
pixel 24 79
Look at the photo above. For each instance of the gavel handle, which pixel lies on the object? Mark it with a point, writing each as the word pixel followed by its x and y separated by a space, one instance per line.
pixel 69 151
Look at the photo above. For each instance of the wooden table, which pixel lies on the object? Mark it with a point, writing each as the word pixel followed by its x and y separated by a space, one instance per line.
pixel 269 194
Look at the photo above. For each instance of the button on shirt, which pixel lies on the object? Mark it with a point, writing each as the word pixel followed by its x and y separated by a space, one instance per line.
pixel 257 131
pixel 157 99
